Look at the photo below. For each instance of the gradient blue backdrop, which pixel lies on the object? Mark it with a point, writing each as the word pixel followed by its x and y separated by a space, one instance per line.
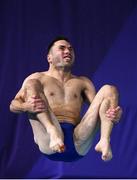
pixel 104 35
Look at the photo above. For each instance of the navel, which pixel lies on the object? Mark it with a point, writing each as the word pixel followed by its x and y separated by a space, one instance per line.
pixel 51 94
pixel 75 95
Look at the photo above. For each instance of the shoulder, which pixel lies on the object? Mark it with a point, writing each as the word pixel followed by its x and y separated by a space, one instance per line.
pixel 88 88
pixel 82 78
pixel 36 75
pixel 86 80
pixel 88 84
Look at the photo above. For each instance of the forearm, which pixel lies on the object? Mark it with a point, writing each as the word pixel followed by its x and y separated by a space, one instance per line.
pixel 17 106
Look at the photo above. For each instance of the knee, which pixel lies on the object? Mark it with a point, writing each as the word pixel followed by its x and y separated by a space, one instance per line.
pixel 33 83
pixel 110 91
pixel 80 135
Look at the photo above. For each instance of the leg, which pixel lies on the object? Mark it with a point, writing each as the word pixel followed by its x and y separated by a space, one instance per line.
pixel 41 137
pixel 103 146
pixel 47 123
pixel 84 132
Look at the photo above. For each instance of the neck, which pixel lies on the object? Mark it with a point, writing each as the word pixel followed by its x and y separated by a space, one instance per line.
pixel 62 74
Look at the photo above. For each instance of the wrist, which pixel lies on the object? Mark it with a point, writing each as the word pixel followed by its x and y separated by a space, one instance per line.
pixel 24 107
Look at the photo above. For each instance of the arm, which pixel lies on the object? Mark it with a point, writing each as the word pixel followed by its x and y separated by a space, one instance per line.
pixel 114 114
pixel 89 89
pixel 19 104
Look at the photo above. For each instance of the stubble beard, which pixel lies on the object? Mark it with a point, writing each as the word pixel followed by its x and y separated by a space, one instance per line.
pixel 65 68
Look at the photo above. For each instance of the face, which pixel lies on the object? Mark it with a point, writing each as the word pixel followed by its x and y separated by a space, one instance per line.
pixel 61 54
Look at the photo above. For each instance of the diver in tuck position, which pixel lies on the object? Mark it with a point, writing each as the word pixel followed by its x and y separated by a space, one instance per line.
pixel 53 100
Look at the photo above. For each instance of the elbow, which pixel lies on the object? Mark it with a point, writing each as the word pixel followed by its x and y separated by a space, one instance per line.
pixel 14 107
pixel 11 107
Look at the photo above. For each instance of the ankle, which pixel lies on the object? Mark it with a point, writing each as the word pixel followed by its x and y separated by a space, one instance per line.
pixel 51 129
pixel 106 139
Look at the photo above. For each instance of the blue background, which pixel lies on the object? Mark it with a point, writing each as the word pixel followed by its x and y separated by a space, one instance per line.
pixel 104 35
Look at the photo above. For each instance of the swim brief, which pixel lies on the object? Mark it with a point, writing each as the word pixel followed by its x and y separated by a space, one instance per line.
pixel 70 154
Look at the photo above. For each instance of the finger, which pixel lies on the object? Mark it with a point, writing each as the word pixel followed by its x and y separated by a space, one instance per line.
pixel 35 96
pixel 39 110
pixel 118 108
pixel 39 103
pixel 41 107
pixel 111 114
pixel 110 110
pixel 111 117
pixel 113 110
pixel 107 111
pixel 37 100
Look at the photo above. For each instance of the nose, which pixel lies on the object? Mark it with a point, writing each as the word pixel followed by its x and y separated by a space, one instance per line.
pixel 67 51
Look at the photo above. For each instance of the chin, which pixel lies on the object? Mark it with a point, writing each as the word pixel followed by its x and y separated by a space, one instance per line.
pixel 65 67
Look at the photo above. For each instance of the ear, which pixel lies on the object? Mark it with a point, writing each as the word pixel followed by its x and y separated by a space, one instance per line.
pixel 49 58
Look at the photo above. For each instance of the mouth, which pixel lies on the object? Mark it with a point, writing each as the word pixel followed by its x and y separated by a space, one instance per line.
pixel 67 57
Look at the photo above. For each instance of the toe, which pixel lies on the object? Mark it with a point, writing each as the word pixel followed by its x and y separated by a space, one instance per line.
pixel 107 156
pixel 62 148
pixel 59 148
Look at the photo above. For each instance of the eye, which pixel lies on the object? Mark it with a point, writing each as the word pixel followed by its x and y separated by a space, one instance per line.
pixel 61 47
pixel 70 49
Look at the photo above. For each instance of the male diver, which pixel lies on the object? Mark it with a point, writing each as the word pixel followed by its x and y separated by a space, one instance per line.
pixel 53 100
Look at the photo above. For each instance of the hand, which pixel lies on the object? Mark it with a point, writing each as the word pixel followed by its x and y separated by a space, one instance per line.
pixel 35 104
pixel 114 114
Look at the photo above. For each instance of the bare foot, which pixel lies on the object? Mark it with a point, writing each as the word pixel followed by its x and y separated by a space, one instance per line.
pixel 56 141
pixel 103 146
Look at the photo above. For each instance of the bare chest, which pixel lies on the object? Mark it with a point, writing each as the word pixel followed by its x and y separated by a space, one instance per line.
pixel 68 92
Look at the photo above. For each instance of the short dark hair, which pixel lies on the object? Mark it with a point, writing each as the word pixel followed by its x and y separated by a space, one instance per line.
pixel 59 38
